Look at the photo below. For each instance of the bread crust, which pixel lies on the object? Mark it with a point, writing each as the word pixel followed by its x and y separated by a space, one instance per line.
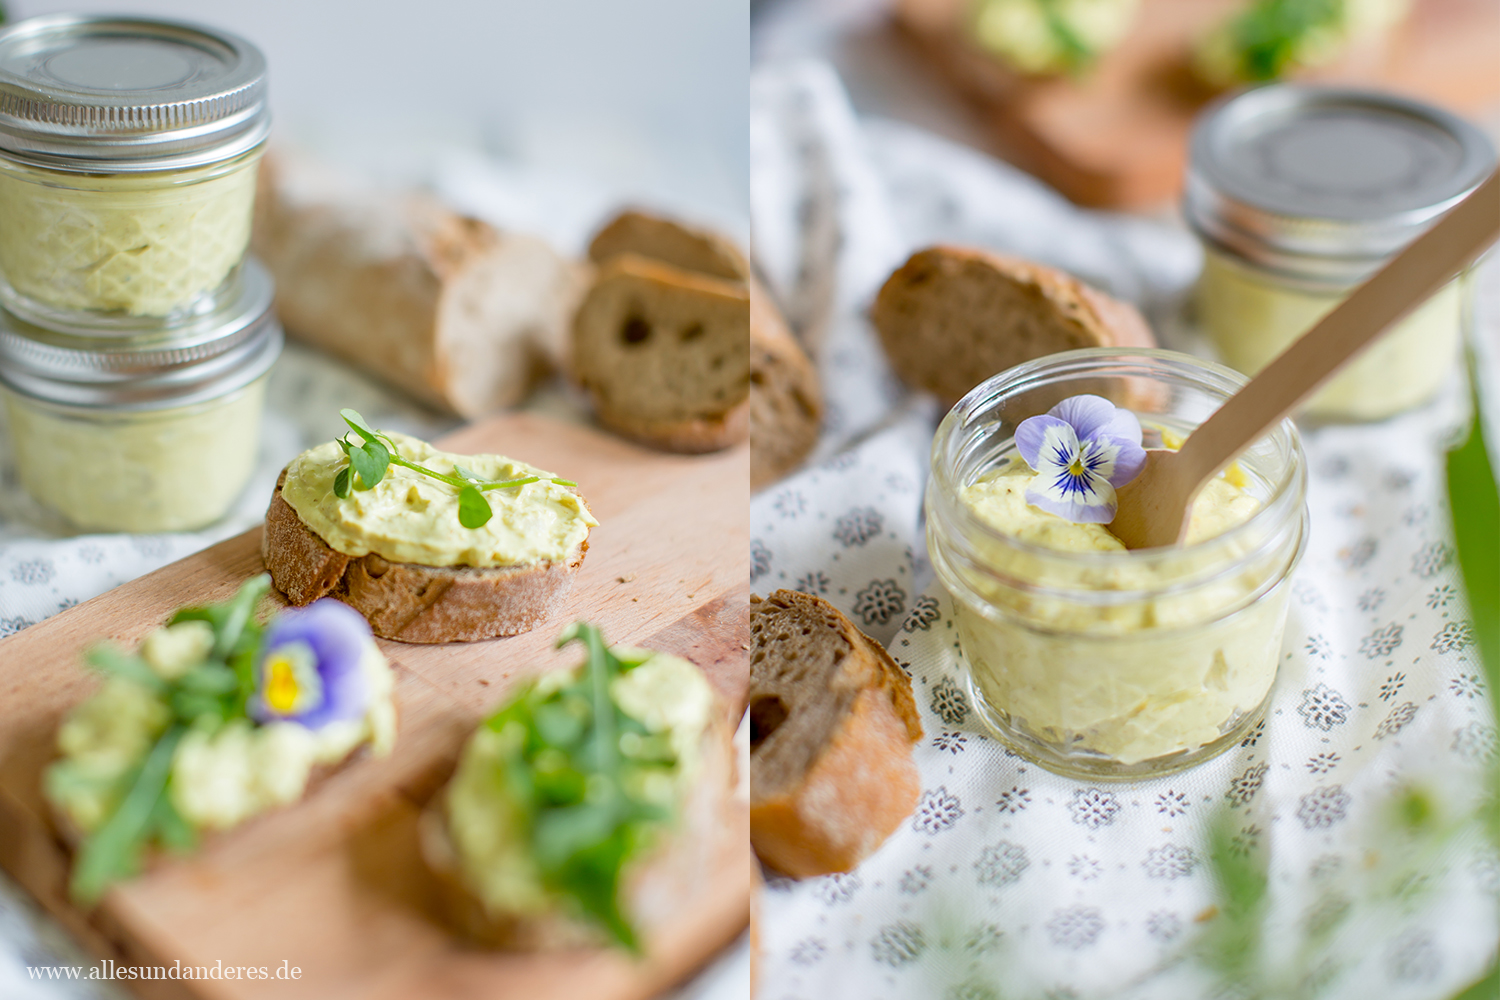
pixel 409 602
pixel 671 242
pixel 1054 312
pixel 862 783
pixel 786 402
pixel 442 306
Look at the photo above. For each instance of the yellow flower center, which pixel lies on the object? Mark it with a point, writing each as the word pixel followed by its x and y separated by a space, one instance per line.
pixel 282 688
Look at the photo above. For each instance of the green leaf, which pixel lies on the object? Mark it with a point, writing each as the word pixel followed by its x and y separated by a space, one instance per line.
pixel 172 831
pixel 1474 504
pixel 113 851
pixel 473 509
pixel 463 473
pixel 236 614
pixel 1485 989
pixel 111 660
pixel 357 422
pixel 210 678
pixel 370 467
pixel 341 484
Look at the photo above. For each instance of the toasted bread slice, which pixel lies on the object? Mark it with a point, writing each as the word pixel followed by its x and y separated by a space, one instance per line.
pixel 951 317
pixel 832 724
pixel 665 354
pixel 409 602
pixel 670 242
pixel 656 887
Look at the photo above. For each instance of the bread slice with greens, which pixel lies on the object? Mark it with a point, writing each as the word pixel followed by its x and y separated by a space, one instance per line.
pixel 951 317
pixel 832 724
pixel 665 354
pixel 576 820
pixel 429 546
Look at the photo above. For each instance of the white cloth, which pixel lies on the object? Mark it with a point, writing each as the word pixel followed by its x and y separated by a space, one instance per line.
pixel 1009 881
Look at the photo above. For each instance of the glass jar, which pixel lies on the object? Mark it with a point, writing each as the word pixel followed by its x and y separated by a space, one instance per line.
pixel 1115 664
pixel 128 156
pixel 143 432
pixel 1301 193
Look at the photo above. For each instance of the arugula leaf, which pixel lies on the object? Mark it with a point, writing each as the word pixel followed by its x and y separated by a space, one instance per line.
pixel 473 509
pixel 113 851
pixel 341 484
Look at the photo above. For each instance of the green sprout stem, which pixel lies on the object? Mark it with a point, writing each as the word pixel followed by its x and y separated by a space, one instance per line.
pixel 371 460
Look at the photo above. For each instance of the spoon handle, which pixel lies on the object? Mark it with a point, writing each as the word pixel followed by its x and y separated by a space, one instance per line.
pixel 1428 262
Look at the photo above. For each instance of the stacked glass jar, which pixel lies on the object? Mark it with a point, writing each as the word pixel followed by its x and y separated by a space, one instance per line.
pixel 1300 193
pixel 135 333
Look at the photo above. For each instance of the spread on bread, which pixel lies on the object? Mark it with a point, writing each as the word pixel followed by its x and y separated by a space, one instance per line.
pixel 568 786
pixel 422 505
pixel 832 724
pixel 428 545
pixel 214 719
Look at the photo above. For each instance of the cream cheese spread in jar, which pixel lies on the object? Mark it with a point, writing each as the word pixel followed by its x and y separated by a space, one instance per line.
pixel 145 432
pixel 1301 193
pixel 128 154
pixel 1087 658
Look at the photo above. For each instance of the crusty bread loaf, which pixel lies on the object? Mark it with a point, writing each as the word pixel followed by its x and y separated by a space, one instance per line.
pixel 441 306
pixel 786 404
pixel 670 242
pixel 657 887
pixel 664 354
pixel 406 601
pixel 832 723
pixel 951 317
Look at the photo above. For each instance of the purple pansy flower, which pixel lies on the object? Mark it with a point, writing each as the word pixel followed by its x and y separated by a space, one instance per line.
pixel 1082 451
pixel 308 670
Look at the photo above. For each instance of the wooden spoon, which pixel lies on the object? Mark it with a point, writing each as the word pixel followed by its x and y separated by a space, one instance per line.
pixel 1154 507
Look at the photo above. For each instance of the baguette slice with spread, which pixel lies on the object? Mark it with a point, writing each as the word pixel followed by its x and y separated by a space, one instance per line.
pixel 951 317
pixel 483 834
pixel 786 403
pixel 832 724
pixel 665 355
pixel 418 578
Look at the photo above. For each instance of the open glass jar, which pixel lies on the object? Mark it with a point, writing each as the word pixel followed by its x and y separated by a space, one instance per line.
pixel 128 155
pixel 1300 193
pixel 1115 664
pixel 142 432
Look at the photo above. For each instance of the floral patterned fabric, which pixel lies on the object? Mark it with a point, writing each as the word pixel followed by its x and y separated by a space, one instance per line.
pixel 1008 881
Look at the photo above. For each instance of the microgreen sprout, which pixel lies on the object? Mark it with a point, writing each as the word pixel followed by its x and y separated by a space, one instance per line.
pixel 370 460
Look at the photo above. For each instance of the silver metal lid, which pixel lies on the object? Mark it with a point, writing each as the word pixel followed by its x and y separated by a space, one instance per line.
pixel 209 358
pixel 99 93
pixel 1323 184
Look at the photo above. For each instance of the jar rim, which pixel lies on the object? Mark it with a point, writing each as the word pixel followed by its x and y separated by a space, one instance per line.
pixel 102 93
pixel 1286 493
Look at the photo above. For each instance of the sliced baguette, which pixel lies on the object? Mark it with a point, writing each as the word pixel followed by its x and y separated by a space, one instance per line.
pixel 786 404
pixel 951 317
pixel 408 602
pixel 657 887
pixel 664 354
pixel 832 724
pixel 670 242
pixel 444 307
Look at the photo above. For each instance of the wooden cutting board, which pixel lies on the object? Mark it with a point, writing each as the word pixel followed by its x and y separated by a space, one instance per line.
pixel 1117 137
pixel 334 884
